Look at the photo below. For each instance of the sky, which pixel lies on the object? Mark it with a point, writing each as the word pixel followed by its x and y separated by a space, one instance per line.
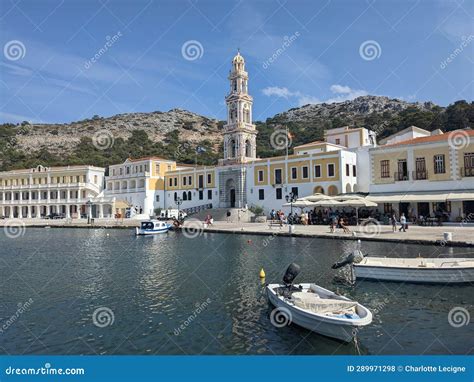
pixel 67 60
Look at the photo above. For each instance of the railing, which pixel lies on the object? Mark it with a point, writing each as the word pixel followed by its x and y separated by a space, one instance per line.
pixel 401 176
pixel 194 210
pixel 467 171
pixel 420 175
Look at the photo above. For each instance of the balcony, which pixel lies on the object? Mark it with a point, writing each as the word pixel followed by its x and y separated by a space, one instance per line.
pixel 467 171
pixel 401 176
pixel 420 175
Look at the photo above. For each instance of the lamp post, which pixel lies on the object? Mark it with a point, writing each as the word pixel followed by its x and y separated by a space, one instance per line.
pixel 89 211
pixel 291 198
pixel 178 202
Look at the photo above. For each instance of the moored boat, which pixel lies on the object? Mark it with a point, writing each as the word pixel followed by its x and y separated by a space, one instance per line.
pixel 316 308
pixel 152 227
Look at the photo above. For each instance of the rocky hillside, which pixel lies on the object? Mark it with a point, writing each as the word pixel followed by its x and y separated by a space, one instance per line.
pixel 176 133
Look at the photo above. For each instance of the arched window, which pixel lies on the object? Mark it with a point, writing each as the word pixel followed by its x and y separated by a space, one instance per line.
pixel 248 148
pixel 246 114
pixel 332 190
pixel 185 196
pixel 233 148
pixel 189 195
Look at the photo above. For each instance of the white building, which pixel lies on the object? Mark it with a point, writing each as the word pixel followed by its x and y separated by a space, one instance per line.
pixel 70 192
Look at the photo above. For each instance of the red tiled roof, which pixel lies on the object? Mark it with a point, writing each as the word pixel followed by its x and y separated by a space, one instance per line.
pixel 434 138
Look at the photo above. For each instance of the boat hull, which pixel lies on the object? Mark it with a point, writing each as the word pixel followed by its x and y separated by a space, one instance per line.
pixel 414 275
pixel 340 329
pixel 142 232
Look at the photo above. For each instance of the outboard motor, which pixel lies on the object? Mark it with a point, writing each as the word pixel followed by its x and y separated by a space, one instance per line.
pixel 353 257
pixel 291 272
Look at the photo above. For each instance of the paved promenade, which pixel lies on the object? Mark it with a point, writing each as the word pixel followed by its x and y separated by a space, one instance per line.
pixel 461 235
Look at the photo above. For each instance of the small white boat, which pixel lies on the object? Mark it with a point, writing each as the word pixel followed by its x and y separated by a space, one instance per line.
pixel 152 227
pixel 317 309
pixel 419 270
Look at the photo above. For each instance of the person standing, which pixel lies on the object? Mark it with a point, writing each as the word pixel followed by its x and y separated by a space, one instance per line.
pixel 403 223
pixel 394 222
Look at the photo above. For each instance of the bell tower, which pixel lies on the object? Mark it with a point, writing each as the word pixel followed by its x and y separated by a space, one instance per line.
pixel 239 132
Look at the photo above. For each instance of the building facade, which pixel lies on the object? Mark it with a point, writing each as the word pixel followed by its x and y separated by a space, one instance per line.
pixel 69 192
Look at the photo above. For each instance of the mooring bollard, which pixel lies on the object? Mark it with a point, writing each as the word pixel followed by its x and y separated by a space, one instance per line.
pixel 448 236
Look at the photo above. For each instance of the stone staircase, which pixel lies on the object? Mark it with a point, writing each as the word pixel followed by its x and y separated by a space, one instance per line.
pixel 220 214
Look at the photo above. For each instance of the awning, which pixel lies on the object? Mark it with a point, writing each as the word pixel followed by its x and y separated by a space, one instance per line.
pixel 415 197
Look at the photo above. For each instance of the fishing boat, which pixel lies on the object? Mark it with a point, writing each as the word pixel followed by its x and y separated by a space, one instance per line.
pixel 316 308
pixel 152 227
pixel 415 270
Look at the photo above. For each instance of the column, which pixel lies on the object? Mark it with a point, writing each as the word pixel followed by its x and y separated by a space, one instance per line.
pixel 2 211
pixel 101 211
pixel 28 212
pixel 78 207
pixel 11 212
pixel 38 210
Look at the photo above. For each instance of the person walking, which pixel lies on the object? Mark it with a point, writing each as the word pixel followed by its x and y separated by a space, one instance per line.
pixel 403 223
pixel 394 222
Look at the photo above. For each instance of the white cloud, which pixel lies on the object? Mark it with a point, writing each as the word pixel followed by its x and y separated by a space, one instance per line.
pixel 341 92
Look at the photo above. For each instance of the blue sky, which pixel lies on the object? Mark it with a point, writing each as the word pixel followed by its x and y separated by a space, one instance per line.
pixel 323 51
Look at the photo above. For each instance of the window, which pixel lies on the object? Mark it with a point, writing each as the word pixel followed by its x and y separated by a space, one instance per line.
pixel 317 171
pixel 260 175
pixel 261 194
pixel 294 173
pixel 348 170
pixel 175 196
pixel 439 167
pixel 305 172
pixel 157 198
pixel 294 191
pixel 113 172
pixel 190 180
pixel 184 181
pixel 278 176
pixel 468 164
pixel 338 141
pixel 331 169
pixel 171 182
pixel 127 169
pixel 201 181
pixel 209 178
pixel 209 194
pixel 121 171
pixel 189 195
pixel 201 194
pixel 385 168
pixel 354 170
pixel 278 193
pixel 185 196
pixel 387 208
pixel 175 182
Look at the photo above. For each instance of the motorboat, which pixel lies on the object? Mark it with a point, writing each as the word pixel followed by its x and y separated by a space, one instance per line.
pixel 416 270
pixel 152 227
pixel 316 308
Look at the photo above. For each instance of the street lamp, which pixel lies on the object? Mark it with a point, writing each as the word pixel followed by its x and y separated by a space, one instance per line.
pixel 89 211
pixel 291 198
pixel 178 202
